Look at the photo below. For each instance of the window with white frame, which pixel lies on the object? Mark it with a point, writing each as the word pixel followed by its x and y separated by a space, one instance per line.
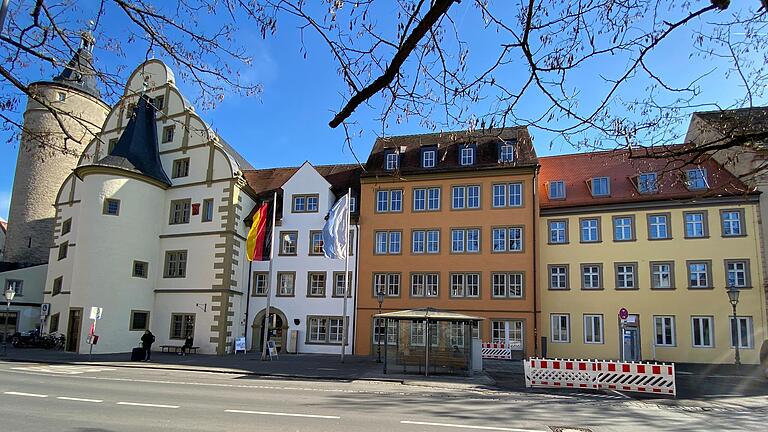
pixel 593 329
pixel 731 222
pixel 696 178
pixel 507 195
pixel 661 275
pixel 558 277
pixel 305 203
pixel 425 284
pixel 556 189
pixel 433 241
pixel 428 158
pixel 737 273
pixel 467 156
pixel 315 242
pixel 626 276
pixel 433 199
pixel 392 161
pixel 465 197
pixel 622 228
pixel 658 226
pixel 175 264
pixel 389 201
pixel 507 153
pixel 260 283
pixel 499 195
pixel 558 232
pixel 741 332
pixel 600 186
pixel 456 334
pixel 417 333
pixel 560 328
pixel 646 183
pixel 318 330
pixel 590 276
pixel 378 331
pixel 465 285
pixel 698 274
pixel 388 283
pixel 590 230
pixel 702 328
pixel 426 199
pixel 288 240
pixel 388 242
pixel 695 225
pixel 507 331
pixel 507 239
pixel 515 194
pixel 316 284
pixel 507 285
pixel 465 240
pixel 665 330
pixel 286 283
pixel 338 284
pixel 418 242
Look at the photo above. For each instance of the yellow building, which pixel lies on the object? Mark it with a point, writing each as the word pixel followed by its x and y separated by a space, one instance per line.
pixel 660 238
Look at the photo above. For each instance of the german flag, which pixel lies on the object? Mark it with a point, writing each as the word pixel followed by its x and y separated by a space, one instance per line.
pixel 259 241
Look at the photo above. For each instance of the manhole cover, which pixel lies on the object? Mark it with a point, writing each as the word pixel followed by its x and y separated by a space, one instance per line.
pixel 569 429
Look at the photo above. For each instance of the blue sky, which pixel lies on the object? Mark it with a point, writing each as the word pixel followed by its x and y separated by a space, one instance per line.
pixel 287 123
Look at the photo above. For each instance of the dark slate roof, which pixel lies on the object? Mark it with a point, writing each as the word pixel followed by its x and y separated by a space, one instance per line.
pixel 137 148
pixel 448 145
pixel 266 181
pixel 80 73
pixel 735 122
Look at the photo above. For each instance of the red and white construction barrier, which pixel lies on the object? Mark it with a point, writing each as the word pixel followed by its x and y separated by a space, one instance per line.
pixel 497 351
pixel 601 374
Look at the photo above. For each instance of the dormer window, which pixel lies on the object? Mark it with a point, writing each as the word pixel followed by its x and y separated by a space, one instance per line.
pixel 467 156
pixel 392 161
pixel 646 183
pixel 600 186
pixel 696 179
pixel 556 189
pixel 506 153
pixel 428 157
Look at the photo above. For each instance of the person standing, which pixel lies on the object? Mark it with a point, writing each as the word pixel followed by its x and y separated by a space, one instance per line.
pixel 147 339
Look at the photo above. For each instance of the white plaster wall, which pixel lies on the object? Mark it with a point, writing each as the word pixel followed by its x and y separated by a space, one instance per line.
pixel 106 247
pixel 28 304
pixel 307 181
pixel 167 304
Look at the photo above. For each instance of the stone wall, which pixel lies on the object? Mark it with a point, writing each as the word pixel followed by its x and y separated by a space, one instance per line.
pixel 45 159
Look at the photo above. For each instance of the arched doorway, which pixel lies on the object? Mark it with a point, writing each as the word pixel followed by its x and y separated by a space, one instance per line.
pixel 278 330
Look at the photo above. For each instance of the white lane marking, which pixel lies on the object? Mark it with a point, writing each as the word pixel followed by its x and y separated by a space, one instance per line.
pixel 147 405
pixel 79 399
pixel 63 369
pixel 622 395
pixel 26 394
pixel 466 426
pixel 282 414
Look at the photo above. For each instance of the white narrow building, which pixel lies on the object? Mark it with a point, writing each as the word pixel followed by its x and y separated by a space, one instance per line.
pixel 307 289
pixel 149 227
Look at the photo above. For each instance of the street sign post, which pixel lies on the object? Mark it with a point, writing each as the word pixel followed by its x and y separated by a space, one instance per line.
pixel 623 315
pixel 92 338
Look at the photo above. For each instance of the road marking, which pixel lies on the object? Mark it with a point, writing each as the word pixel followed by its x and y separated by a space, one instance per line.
pixel 147 405
pixel 282 414
pixel 622 395
pixel 64 369
pixel 79 399
pixel 26 394
pixel 466 426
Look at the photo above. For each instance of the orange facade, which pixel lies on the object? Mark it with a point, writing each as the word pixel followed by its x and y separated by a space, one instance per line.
pixel 510 275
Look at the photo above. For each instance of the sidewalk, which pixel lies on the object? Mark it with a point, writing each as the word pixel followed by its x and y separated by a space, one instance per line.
pixel 289 366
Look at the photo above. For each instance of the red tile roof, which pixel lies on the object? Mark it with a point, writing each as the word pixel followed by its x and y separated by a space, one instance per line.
pixel 340 176
pixel 577 169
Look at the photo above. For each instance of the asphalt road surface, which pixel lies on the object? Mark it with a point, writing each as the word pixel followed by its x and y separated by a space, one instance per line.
pixel 39 397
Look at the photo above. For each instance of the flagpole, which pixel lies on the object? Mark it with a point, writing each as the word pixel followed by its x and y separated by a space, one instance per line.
pixel 269 276
pixel 345 324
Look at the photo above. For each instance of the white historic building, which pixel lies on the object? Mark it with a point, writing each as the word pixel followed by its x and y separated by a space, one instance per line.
pixel 308 294
pixel 149 227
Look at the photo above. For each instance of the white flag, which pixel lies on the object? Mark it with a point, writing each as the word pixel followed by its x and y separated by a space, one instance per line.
pixel 336 230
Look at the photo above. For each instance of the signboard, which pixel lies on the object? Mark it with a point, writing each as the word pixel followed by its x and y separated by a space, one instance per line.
pixel 195 209
pixel 45 309
pixel 96 313
pixel 240 344
pixel 623 313
pixel 272 350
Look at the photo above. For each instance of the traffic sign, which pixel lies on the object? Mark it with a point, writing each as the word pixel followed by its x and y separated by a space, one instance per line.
pixel 623 313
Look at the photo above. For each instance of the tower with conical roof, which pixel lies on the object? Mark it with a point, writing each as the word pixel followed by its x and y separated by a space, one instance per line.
pixel 47 155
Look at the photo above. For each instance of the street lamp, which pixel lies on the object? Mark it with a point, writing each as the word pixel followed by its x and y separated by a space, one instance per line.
pixel 733 297
pixel 380 298
pixel 9 294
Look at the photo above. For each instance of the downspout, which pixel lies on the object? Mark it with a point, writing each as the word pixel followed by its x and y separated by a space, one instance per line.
pixel 534 214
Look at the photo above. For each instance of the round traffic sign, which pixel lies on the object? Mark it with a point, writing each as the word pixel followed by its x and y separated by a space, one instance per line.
pixel 623 313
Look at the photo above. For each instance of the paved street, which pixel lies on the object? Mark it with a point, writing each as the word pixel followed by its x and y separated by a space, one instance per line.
pixel 84 398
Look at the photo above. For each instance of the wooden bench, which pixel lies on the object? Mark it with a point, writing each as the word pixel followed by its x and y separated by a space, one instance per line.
pixel 177 349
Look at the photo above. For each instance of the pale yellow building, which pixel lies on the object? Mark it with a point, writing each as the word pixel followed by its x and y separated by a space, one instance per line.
pixel 660 238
